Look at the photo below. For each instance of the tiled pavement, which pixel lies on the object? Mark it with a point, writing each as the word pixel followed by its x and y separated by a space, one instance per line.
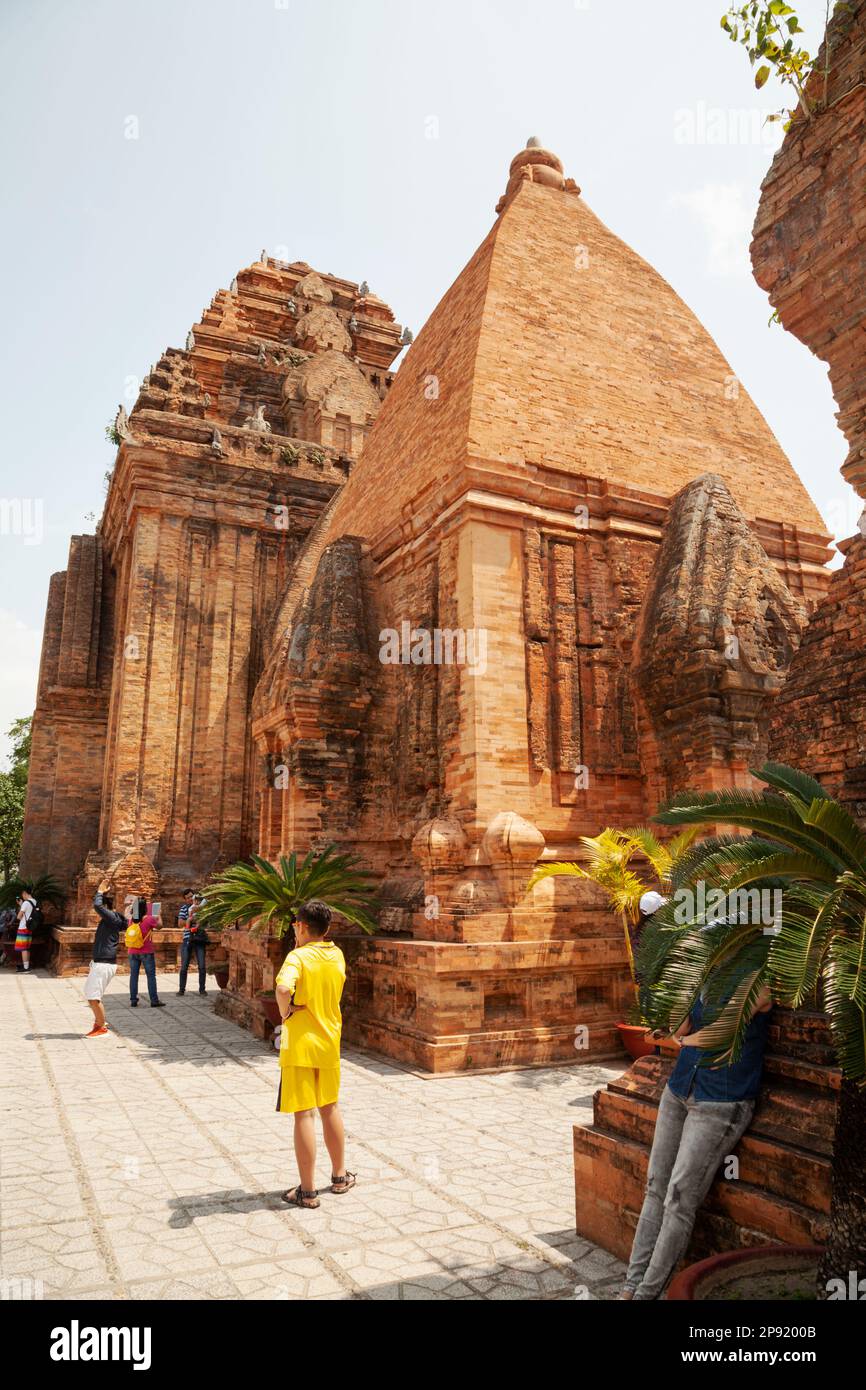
pixel 148 1164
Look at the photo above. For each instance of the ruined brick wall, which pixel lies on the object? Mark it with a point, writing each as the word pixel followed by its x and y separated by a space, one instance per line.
pixel 809 253
pixel 819 721
pixel 69 723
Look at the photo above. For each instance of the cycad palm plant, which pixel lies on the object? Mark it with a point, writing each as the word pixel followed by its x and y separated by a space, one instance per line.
pixel 269 895
pixel 44 888
pixel 806 848
pixel 610 855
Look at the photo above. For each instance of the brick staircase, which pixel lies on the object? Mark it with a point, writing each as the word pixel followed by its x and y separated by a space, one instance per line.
pixel 783 1189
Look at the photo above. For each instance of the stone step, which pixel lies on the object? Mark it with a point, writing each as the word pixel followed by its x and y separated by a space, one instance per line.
pixel 610 1179
pixel 802 1072
pixel 648 1076
pixel 794 1030
pixel 800 1024
pixel 789 1170
pixel 783 1110
pixel 496 1047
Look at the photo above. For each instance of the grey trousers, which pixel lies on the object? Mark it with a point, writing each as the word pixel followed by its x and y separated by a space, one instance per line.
pixel 692 1137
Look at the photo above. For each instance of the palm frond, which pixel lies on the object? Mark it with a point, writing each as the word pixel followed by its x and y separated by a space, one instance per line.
pixel 846 1014
pixel 44 887
pixel 774 817
pixel 789 780
pixel 560 870
pixel 269 896
pixel 722 1038
pixel 651 847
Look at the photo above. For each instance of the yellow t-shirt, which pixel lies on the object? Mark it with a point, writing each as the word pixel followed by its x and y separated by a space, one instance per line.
pixel 311 1037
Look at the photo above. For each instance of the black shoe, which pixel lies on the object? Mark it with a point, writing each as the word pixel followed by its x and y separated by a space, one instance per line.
pixel 133 1003
pixel 181 991
pixel 157 1004
pixel 202 991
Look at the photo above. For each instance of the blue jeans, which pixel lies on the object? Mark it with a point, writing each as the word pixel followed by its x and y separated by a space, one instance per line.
pixel 148 960
pixel 692 1138
pixel 186 950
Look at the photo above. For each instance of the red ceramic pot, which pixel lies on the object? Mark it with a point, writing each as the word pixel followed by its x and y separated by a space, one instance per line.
pixel 270 1009
pixel 714 1278
pixel 634 1039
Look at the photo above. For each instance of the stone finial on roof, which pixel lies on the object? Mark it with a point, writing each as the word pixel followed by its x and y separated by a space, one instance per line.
pixel 538 165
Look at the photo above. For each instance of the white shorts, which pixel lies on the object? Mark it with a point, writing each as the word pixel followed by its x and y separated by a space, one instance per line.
pixel 99 978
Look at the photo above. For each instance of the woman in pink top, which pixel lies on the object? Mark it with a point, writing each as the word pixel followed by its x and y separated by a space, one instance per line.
pixel 144 955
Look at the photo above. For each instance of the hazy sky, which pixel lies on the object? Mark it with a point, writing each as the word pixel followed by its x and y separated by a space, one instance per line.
pixel 151 148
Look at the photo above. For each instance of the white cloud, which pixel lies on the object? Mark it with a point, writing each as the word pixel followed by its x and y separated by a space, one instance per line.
pixel 726 218
pixel 20 646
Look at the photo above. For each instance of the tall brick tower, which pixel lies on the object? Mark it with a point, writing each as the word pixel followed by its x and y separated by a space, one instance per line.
pixel 141 763
pixel 568 489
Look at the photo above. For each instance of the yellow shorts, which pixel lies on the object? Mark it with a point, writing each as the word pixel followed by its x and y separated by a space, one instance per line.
pixel 307 1088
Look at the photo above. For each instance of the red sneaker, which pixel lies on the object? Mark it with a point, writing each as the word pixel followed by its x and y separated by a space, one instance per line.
pixel 96 1033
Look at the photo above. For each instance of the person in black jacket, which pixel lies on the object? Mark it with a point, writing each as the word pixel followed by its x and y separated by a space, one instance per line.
pixel 103 966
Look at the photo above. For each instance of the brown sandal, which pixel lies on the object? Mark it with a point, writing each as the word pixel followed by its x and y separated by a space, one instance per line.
pixel 297 1197
pixel 343 1184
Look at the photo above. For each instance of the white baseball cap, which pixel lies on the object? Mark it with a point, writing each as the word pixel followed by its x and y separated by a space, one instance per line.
pixel 651 902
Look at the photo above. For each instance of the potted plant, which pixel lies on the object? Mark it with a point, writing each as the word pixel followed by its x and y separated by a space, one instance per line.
pixel 807 847
pixel 268 896
pixel 610 856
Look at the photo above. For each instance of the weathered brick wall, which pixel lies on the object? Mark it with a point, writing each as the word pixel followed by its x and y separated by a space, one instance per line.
pixel 809 253
pixel 809 247
pixel 819 721
pixel 69 724
pixel 233 450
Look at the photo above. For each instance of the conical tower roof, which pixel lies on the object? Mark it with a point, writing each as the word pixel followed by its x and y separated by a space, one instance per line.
pixel 559 345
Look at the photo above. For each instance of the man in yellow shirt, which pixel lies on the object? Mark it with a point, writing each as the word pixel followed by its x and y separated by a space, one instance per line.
pixel 308 989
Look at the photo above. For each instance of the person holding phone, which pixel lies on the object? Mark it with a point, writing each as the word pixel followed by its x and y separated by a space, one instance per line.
pixel 145 955
pixel 194 939
pixel 103 965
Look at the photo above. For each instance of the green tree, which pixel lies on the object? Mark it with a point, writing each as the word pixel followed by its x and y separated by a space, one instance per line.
pixel 807 846
pixel 20 736
pixel 12 799
pixel 13 792
pixel 610 858
pixel 768 30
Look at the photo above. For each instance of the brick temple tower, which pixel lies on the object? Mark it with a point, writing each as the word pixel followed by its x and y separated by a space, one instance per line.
pixel 566 576
pixel 142 762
